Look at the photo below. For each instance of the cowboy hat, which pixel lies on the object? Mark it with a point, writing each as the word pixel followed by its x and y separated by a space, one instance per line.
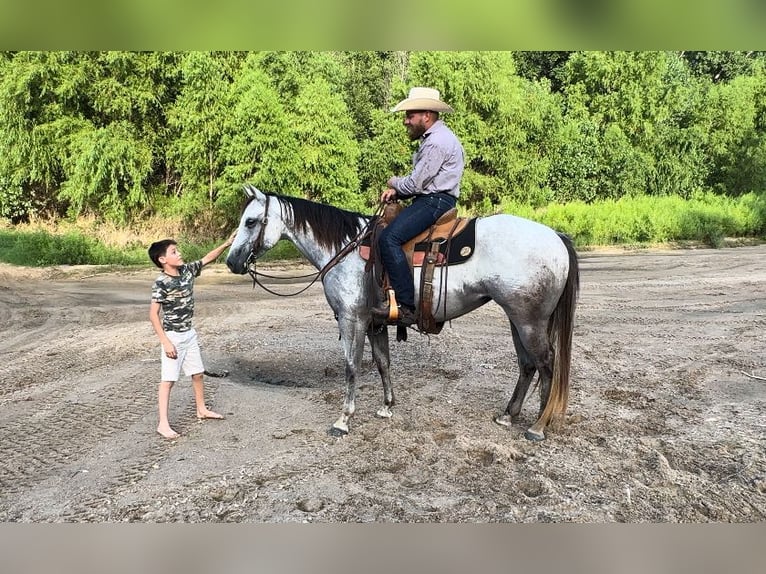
pixel 426 99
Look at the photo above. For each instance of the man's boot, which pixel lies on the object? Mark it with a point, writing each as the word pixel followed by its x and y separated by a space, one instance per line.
pixel 403 315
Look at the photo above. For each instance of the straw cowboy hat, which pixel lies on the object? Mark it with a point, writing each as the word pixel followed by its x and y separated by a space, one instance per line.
pixel 426 99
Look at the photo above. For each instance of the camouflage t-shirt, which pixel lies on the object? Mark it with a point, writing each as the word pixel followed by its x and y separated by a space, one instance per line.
pixel 176 296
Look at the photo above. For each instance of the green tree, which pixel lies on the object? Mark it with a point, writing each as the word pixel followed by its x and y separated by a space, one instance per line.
pixel 542 65
pixel 258 144
pixel 625 88
pixel 120 133
pixel 737 138
pixel 328 152
pixel 291 71
pixel 367 85
pixel 681 165
pixel 84 124
pixel 577 164
pixel 36 91
pixel 106 168
pixel 197 119
pixel 723 66
pixel 644 110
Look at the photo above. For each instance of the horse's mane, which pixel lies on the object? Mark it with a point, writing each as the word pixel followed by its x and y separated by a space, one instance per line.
pixel 332 227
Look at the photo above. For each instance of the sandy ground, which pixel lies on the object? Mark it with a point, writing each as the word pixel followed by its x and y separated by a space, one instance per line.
pixel 665 421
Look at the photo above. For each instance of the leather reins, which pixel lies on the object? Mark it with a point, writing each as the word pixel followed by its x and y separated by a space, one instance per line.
pixel 319 275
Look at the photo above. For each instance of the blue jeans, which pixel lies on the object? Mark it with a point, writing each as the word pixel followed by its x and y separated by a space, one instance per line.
pixel 418 216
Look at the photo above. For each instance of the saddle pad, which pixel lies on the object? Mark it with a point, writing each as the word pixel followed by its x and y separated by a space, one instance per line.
pixel 460 249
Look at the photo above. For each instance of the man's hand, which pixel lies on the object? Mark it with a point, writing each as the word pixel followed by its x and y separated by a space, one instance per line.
pixel 388 195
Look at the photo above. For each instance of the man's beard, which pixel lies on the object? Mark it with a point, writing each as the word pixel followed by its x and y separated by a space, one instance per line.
pixel 415 132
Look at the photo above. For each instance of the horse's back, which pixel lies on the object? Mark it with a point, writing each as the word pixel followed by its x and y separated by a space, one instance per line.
pixel 520 264
pixel 520 242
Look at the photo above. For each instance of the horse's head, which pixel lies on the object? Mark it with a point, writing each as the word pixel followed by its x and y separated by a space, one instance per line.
pixel 255 234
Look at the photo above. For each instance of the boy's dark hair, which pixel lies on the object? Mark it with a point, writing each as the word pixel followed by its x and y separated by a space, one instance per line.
pixel 158 249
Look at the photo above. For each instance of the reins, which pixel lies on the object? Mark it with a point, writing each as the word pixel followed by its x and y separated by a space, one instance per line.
pixel 255 274
pixel 319 275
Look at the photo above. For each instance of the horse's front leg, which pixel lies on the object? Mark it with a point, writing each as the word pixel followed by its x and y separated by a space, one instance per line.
pixel 378 337
pixel 352 335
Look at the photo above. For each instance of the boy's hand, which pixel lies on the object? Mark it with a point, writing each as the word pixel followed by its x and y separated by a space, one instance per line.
pixel 215 253
pixel 170 350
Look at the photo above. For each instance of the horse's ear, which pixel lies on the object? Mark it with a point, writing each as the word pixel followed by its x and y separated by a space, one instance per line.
pixel 251 191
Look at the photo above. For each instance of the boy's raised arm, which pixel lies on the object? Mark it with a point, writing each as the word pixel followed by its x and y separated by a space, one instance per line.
pixel 215 253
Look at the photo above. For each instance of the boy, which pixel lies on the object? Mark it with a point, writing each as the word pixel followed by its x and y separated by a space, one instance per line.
pixel 173 295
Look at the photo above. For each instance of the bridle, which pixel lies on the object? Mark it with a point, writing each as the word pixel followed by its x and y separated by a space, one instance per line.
pixel 255 245
pixel 319 275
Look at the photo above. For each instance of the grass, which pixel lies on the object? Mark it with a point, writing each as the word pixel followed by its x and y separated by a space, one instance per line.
pixel 41 248
pixel 705 218
pixel 91 242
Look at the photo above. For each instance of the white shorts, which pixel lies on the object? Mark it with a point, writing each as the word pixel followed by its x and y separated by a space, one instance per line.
pixel 189 357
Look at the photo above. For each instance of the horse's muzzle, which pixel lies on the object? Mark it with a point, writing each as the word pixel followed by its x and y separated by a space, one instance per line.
pixel 237 265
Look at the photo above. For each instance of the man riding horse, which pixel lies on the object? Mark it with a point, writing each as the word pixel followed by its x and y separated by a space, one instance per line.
pixel 433 185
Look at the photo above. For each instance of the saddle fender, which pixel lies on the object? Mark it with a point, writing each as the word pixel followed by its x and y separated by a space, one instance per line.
pixel 449 241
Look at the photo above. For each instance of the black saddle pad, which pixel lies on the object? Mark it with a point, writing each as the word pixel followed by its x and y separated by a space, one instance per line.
pixel 460 248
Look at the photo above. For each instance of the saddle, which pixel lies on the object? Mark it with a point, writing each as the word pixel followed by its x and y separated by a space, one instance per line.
pixel 449 241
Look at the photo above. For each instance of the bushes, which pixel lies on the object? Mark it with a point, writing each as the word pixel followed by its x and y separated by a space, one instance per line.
pixel 705 217
pixel 41 248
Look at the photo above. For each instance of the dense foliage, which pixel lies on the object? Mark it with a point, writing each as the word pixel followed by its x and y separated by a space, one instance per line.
pixel 125 135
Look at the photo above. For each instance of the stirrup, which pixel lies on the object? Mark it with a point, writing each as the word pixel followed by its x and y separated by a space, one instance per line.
pixel 393 307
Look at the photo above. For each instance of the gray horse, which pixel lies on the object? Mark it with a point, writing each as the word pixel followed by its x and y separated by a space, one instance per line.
pixel 528 269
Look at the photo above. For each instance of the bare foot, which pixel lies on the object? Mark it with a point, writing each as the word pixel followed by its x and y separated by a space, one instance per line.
pixel 208 414
pixel 167 432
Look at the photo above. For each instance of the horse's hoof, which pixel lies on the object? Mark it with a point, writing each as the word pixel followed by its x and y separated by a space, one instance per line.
pixel 504 420
pixel 338 432
pixel 534 436
pixel 384 413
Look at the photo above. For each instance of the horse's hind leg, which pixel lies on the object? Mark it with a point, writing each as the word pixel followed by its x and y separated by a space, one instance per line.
pixel 378 337
pixel 540 348
pixel 533 338
pixel 527 370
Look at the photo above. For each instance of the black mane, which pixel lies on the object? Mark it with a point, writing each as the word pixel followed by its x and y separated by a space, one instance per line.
pixel 333 228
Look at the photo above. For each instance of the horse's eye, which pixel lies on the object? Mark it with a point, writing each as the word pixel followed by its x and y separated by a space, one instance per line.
pixel 250 222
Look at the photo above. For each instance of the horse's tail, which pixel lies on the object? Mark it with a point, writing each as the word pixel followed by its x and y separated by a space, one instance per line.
pixel 560 330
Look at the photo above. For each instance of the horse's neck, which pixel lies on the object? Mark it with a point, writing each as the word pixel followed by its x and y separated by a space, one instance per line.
pixel 306 242
pixel 309 248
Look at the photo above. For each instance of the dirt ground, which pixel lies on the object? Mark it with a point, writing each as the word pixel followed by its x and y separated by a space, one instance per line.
pixel 665 424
